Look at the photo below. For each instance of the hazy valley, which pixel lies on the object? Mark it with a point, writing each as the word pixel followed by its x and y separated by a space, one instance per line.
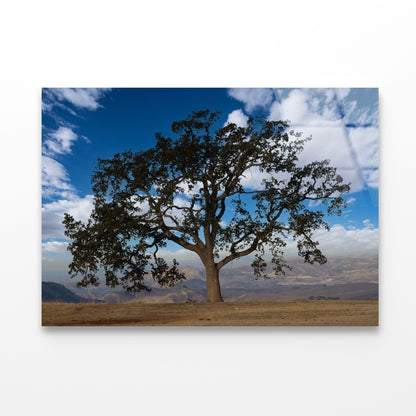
pixel 353 277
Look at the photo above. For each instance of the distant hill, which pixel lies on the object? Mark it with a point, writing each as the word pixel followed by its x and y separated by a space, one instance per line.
pixel 347 291
pixel 158 295
pixel 54 292
pixel 338 270
pixel 349 277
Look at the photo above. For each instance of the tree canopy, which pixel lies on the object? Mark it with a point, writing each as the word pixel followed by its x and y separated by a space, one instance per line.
pixel 182 189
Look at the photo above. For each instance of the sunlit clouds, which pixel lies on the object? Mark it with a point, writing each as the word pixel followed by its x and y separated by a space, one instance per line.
pixel 341 131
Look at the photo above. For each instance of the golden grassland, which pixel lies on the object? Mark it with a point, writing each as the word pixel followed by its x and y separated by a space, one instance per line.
pixel 282 313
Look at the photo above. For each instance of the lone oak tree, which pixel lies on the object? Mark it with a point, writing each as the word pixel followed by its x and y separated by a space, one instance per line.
pixel 179 191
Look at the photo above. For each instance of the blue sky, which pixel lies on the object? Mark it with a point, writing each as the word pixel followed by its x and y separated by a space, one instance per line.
pixel 81 125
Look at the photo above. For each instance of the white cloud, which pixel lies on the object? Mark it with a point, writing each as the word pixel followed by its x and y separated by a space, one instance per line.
pixel 55 178
pixel 82 98
pixel 371 178
pixel 350 143
pixel 351 201
pixel 341 92
pixel 253 178
pixel 367 224
pixel 353 150
pixel 59 141
pixel 190 189
pixel 253 97
pixel 53 214
pixel 296 108
pixel 237 117
pixel 340 241
pixel 54 247
pixel 181 202
pixel 313 204
pixel 365 144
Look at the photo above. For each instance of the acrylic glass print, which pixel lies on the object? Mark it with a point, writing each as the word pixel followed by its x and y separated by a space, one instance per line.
pixel 210 207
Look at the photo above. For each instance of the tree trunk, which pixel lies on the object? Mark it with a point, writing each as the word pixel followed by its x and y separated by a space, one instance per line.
pixel 213 284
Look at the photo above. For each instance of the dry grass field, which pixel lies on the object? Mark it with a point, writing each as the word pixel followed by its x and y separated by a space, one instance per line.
pixel 291 313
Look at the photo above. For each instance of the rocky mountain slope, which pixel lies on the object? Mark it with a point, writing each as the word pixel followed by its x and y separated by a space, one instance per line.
pixel 55 292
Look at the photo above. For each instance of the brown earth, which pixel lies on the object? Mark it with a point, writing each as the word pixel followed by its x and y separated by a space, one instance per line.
pixel 293 313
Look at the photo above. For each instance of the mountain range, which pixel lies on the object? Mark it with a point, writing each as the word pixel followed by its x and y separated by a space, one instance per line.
pixel 55 292
pixel 352 277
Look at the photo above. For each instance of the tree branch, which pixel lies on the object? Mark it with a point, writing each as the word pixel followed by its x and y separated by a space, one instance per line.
pixel 236 255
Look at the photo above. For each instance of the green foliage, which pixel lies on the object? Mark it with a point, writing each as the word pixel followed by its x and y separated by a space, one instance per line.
pixel 139 202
